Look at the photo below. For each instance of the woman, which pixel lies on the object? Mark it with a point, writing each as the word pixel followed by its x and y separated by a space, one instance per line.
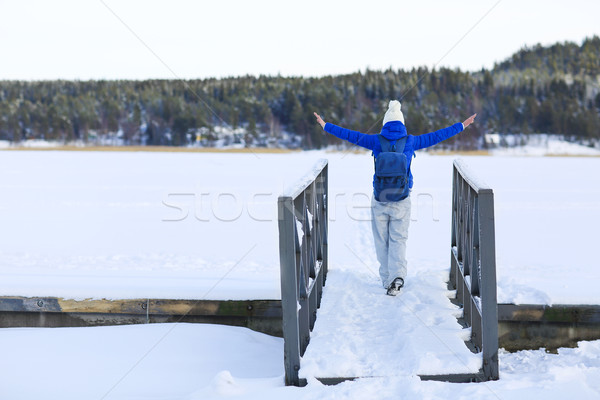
pixel 390 214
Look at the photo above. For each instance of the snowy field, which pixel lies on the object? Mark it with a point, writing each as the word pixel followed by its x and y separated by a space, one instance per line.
pixel 204 226
pixel 197 362
pixel 169 225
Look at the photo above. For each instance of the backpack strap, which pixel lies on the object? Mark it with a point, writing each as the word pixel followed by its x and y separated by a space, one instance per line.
pixel 401 143
pixel 385 143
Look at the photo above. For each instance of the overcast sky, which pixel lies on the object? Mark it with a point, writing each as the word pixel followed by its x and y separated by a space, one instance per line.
pixel 109 39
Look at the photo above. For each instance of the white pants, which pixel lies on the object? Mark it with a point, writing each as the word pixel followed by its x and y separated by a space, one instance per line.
pixel 390 222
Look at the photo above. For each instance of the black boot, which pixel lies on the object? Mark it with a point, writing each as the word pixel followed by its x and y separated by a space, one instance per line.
pixel 395 287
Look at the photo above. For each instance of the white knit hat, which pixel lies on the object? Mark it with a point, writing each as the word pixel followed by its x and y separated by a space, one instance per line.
pixel 393 113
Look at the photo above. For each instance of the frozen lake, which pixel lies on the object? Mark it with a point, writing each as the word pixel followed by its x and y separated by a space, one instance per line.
pixel 204 225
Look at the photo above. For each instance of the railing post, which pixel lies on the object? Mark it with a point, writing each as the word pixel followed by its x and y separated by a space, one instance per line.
pixel 289 289
pixel 325 217
pixel 489 302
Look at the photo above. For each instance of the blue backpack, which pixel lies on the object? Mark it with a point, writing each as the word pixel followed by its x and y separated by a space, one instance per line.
pixel 391 171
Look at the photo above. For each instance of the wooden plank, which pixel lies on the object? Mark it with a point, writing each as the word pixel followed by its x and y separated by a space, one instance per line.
pixel 259 315
pixel 133 306
pixel 242 308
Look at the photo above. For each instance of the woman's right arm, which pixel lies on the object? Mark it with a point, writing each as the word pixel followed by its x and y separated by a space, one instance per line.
pixel 354 137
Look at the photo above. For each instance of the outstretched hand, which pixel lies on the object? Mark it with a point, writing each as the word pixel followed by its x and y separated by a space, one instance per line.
pixel 469 120
pixel 320 120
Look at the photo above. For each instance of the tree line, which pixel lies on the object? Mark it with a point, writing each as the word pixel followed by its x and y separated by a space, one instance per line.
pixel 554 89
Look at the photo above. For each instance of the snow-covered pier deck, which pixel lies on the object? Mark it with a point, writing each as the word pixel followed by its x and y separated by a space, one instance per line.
pixel 361 332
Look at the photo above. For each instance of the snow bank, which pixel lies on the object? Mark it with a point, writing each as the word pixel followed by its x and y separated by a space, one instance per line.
pixel 189 362
pixel 542 145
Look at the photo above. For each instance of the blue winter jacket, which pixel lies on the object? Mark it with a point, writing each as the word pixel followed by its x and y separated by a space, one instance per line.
pixel 393 131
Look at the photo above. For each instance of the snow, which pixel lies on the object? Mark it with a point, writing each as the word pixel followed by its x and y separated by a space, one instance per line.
pixel 473 179
pixel 299 230
pixel 300 184
pixel 203 225
pixel 200 361
pixel 165 225
pixel 137 361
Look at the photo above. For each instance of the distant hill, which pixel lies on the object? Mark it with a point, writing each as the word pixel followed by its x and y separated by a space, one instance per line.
pixel 541 65
pixel 553 90
pixel 566 58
